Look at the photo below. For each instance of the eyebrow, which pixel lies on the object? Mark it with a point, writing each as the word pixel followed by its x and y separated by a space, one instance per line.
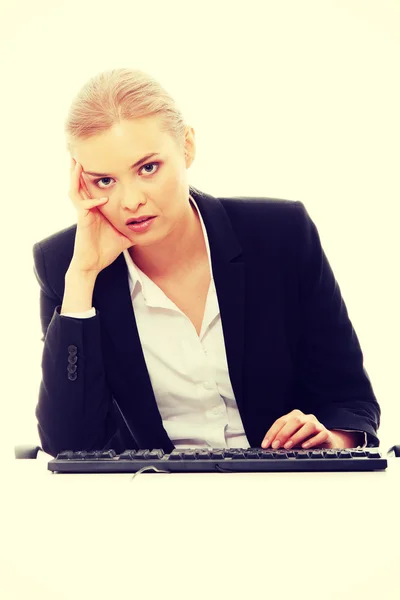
pixel 137 164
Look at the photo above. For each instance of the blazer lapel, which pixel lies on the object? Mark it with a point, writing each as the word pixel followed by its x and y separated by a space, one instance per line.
pixel 129 378
pixel 229 276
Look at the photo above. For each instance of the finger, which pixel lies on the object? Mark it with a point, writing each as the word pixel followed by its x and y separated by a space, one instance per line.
pixel 87 205
pixel 308 429
pixel 288 430
pixel 292 420
pixel 74 190
pixel 83 185
pixel 84 191
pixel 79 191
pixel 322 437
pixel 273 431
pixel 92 202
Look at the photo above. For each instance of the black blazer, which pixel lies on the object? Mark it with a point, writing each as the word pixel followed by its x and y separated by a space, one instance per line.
pixel 288 338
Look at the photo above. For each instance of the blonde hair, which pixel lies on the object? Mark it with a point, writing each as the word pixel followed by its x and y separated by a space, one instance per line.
pixel 119 94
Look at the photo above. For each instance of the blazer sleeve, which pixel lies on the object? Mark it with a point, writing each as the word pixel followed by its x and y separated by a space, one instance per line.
pixel 74 410
pixel 332 382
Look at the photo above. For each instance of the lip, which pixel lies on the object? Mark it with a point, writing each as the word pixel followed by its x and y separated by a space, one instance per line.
pixel 141 227
pixel 135 219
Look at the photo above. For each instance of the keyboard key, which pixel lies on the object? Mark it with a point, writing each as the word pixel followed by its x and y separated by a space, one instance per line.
pixel 202 454
pixel 108 454
pixel 189 454
pixel 331 454
pixel 301 454
pixel 373 454
pixel 239 454
pixel 65 455
pixel 141 454
pixel 230 453
pixel 157 453
pixel 281 454
pixel 91 455
pixel 175 455
pixel 345 454
pixel 267 454
pixel 251 453
pixel 80 454
pixel 219 454
pixel 316 454
pixel 127 455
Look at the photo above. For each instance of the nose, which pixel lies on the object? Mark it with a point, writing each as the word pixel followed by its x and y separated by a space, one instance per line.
pixel 131 198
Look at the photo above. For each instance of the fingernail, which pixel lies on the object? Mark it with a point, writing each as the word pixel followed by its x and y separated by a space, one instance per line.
pixel 276 444
pixel 288 444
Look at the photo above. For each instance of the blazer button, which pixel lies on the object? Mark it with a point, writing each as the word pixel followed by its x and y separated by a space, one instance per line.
pixel 72 359
pixel 71 368
pixel 72 376
pixel 72 349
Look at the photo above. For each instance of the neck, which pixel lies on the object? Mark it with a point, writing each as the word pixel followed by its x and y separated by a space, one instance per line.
pixel 175 253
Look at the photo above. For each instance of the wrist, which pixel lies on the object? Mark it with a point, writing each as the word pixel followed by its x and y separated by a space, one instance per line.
pixel 74 272
pixel 346 439
pixel 78 292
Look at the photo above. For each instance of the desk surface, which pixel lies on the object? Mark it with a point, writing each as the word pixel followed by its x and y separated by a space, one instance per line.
pixel 189 536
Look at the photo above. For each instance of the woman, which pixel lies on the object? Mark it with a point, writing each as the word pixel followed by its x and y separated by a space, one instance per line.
pixel 217 322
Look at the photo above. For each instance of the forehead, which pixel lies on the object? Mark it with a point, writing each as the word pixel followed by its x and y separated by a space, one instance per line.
pixel 125 142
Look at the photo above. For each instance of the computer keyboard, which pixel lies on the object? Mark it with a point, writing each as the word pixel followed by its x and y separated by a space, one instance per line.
pixel 208 460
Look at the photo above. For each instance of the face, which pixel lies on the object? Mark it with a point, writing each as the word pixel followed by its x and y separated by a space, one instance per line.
pixel 158 186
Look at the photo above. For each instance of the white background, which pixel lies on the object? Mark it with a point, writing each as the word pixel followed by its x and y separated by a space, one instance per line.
pixel 289 99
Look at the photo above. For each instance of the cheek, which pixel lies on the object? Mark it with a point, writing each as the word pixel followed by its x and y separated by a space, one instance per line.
pixel 108 210
pixel 173 183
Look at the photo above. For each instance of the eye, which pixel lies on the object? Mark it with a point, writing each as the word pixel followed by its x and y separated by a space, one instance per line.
pixel 150 165
pixel 97 181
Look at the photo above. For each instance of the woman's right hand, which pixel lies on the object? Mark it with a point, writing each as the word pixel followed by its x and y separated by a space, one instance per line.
pixel 97 242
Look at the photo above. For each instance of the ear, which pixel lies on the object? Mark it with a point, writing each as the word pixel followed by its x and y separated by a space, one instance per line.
pixel 190 146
